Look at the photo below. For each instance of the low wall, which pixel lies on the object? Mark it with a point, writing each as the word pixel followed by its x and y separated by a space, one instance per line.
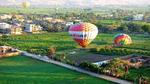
pixel 9 54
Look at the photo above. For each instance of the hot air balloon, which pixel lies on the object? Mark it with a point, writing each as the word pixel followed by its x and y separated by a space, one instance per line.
pixel 26 4
pixel 122 39
pixel 83 33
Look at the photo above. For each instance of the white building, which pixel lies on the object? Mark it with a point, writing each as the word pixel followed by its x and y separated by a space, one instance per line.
pixel 4 25
pixel 69 23
pixel 32 28
pixel 138 17
pixel 5 28
pixel 101 62
pixel 8 29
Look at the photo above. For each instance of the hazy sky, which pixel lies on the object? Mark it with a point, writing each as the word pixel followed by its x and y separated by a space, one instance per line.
pixel 78 2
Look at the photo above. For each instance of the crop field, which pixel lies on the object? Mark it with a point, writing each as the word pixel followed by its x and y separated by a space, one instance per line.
pixel 23 70
pixel 26 11
pixel 63 42
pixel 45 11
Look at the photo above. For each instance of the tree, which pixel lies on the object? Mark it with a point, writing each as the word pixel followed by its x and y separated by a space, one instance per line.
pixel 62 56
pixel 57 27
pixel 50 27
pixel 115 67
pixel 123 28
pixel 51 52
pixel 134 27
pixel 146 28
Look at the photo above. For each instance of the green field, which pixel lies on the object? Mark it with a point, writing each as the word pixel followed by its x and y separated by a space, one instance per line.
pixel 32 10
pixel 26 11
pixel 62 41
pixel 23 70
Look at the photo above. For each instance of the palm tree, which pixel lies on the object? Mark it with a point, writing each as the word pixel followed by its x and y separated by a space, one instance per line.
pixel 51 52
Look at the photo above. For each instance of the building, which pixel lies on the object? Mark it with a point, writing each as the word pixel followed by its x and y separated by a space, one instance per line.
pixel 138 17
pixel 5 28
pixel 32 28
pixel 137 61
pixel 5 16
pixel 147 19
pixel 6 51
pixel 53 20
pixel 20 18
pixel 8 29
pixel 4 25
pixel 69 23
pixel 76 21
pixel 16 29
pixel 101 62
pixel 48 18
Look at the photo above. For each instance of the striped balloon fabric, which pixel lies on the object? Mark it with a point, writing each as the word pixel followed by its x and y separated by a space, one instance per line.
pixel 122 39
pixel 83 33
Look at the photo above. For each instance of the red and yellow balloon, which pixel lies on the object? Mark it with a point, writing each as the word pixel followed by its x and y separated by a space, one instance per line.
pixel 83 33
pixel 122 39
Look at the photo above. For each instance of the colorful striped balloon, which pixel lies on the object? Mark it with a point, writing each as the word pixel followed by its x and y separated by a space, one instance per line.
pixel 122 39
pixel 83 33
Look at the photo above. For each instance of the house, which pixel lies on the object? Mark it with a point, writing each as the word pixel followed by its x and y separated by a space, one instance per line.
pixel 33 28
pixel 47 18
pixel 77 21
pixel 5 28
pixel 53 20
pixel 20 18
pixel 147 19
pixel 5 16
pixel 4 25
pixel 101 62
pixel 6 51
pixel 58 21
pixel 138 17
pixel 136 60
pixel 16 29
pixel 69 23
pixel 10 29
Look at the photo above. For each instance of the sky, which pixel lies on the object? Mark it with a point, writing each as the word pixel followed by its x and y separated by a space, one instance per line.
pixel 87 3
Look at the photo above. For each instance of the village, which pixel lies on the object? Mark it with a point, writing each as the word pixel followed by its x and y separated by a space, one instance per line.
pixel 17 24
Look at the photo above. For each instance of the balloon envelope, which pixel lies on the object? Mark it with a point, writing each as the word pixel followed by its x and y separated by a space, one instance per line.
pixel 25 4
pixel 83 33
pixel 122 39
